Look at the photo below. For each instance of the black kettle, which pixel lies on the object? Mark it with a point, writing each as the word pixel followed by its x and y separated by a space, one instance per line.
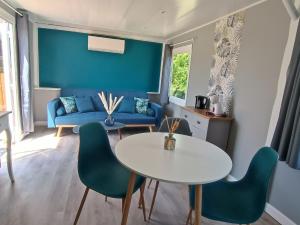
pixel 202 102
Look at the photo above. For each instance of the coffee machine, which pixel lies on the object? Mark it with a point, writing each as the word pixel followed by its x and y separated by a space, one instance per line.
pixel 202 102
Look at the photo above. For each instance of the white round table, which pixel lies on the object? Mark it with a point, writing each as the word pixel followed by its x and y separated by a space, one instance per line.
pixel 193 161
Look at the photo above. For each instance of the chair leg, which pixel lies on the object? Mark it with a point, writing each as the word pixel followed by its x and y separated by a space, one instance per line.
pixel 105 198
pixel 142 189
pixel 142 200
pixel 150 183
pixel 150 128
pixel 123 201
pixel 153 199
pixel 189 218
pixel 81 205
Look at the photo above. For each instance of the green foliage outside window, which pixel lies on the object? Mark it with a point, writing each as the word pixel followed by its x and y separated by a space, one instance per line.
pixel 180 71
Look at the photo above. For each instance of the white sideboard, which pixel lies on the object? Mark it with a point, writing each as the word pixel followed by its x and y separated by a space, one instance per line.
pixel 208 127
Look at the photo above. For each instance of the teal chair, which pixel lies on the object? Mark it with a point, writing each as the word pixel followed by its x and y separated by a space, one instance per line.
pixel 99 170
pixel 239 202
pixel 183 129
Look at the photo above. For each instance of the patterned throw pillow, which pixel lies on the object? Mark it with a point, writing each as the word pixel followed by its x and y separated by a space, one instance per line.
pixel 69 104
pixel 141 105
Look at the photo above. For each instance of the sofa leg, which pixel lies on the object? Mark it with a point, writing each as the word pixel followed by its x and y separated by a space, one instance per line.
pixel 150 128
pixel 59 131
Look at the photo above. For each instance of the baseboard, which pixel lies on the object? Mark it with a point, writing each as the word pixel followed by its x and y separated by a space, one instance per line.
pixel 271 210
pixel 278 216
pixel 40 123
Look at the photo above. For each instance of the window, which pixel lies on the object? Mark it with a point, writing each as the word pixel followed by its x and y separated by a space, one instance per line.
pixel 181 58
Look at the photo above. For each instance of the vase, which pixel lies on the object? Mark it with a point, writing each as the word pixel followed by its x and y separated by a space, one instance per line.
pixel 170 142
pixel 109 121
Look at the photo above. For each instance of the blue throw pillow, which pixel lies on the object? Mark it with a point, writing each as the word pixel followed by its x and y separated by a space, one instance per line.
pixel 84 104
pixel 60 111
pixel 150 112
pixel 98 105
pixel 69 104
pixel 141 105
pixel 127 105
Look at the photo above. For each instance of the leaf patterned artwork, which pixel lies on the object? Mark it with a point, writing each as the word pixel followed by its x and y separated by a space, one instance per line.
pixel 227 40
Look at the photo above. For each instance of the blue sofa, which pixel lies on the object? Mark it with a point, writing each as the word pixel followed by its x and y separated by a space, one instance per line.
pixel 73 119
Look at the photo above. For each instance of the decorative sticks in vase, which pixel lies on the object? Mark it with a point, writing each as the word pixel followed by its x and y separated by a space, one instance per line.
pixel 110 107
pixel 170 141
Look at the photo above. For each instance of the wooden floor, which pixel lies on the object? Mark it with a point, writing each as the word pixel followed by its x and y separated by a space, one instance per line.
pixel 48 190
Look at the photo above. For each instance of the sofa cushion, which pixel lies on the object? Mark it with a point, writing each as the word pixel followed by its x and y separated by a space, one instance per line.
pixel 80 118
pixel 134 118
pixel 127 105
pixel 141 105
pixel 61 111
pixel 69 104
pixel 98 105
pixel 150 112
pixel 84 104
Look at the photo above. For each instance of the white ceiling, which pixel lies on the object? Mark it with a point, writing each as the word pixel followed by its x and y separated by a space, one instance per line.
pixel 153 18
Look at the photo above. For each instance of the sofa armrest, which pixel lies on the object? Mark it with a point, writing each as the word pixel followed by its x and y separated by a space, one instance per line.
pixel 52 106
pixel 158 112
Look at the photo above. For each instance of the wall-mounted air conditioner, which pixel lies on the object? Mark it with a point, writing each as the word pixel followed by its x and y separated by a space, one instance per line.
pixel 106 44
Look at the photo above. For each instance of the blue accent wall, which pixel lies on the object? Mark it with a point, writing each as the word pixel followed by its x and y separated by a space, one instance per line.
pixel 66 62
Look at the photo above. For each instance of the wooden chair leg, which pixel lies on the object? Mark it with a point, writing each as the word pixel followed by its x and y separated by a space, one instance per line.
pixel 150 128
pixel 142 189
pixel 150 183
pixel 59 130
pixel 123 201
pixel 105 198
pixel 128 198
pixel 142 200
pixel 153 199
pixel 81 205
pixel 189 218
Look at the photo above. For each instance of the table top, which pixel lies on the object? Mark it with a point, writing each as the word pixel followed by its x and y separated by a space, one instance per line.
pixel 116 126
pixel 193 161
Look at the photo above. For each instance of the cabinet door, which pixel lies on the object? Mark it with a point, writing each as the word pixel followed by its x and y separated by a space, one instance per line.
pixel 198 124
pixel 199 133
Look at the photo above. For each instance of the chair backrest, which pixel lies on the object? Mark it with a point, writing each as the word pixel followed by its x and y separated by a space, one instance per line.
pixel 261 167
pixel 259 175
pixel 94 147
pixel 183 127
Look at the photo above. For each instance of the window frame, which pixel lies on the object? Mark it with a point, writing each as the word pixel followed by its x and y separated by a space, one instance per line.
pixel 181 49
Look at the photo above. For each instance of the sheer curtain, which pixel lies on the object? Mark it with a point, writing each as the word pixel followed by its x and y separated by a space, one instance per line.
pixel 24 72
pixel 166 71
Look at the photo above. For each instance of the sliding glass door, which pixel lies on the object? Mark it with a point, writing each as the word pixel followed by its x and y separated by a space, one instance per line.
pixel 8 81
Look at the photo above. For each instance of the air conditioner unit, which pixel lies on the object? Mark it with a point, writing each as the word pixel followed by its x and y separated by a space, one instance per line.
pixel 106 44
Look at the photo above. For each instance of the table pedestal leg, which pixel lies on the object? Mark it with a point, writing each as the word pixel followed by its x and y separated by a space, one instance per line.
pixel 198 204
pixel 130 188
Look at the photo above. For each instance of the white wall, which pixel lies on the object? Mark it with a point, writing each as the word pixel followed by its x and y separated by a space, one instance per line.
pixel 266 45
pixel 284 194
pixel 202 51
